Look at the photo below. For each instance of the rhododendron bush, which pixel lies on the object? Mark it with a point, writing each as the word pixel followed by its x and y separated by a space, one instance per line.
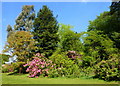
pixel 40 65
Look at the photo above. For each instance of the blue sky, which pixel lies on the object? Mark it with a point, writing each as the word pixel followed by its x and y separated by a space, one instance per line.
pixel 77 14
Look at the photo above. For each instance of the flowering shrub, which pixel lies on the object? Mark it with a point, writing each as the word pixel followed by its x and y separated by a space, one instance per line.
pixel 65 67
pixel 39 65
pixel 108 70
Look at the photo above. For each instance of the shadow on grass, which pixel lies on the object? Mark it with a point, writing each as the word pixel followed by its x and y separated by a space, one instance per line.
pixel 16 73
pixel 108 80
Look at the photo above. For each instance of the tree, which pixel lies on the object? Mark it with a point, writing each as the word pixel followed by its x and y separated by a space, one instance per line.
pixel 115 12
pixel 109 23
pixel 69 40
pixel 98 46
pixel 20 41
pixel 115 8
pixel 45 31
pixel 102 44
pixel 20 44
pixel 104 23
pixel 25 19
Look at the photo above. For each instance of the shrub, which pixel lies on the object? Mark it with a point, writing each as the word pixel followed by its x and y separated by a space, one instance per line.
pixel 7 68
pixel 14 67
pixel 64 66
pixel 40 65
pixel 108 70
pixel 18 67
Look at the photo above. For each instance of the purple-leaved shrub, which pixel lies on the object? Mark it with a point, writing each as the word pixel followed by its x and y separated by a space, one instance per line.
pixel 39 65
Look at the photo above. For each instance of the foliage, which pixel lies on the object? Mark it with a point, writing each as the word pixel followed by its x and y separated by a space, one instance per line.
pixel 16 67
pixel 25 20
pixel 108 70
pixel 6 68
pixel 40 65
pixel 4 58
pixel 9 28
pixel 115 9
pixel 45 31
pixel 98 47
pixel 102 44
pixel 116 38
pixel 104 22
pixel 115 12
pixel 109 23
pixel 69 40
pixel 20 44
pixel 65 67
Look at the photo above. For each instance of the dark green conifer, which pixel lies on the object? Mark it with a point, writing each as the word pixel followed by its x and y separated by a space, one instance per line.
pixel 45 31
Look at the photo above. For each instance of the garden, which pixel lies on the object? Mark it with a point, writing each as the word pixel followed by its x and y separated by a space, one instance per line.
pixel 48 52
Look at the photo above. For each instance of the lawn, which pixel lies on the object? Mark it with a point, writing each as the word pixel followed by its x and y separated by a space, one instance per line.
pixel 23 79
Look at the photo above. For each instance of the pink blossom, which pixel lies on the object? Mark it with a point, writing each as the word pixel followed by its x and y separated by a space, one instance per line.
pixel 46 69
pixel 39 70
pixel 25 65
pixel 27 70
pixel 38 54
pixel 59 68
pixel 42 66
pixel 52 66
pixel 38 65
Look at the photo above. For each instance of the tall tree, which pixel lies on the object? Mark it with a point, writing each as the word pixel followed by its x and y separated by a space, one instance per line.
pixel 20 41
pixel 69 40
pixel 98 46
pixel 45 31
pixel 20 44
pixel 109 23
pixel 25 19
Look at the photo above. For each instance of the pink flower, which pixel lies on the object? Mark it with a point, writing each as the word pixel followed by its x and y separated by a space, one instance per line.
pixel 42 66
pixel 39 70
pixel 37 65
pixel 37 54
pixel 59 68
pixel 46 69
pixel 27 70
pixel 25 65
pixel 52 66
pixel 34 69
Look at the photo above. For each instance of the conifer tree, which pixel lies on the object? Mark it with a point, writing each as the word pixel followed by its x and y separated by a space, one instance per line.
pixel 25 20
pixel 45 31
pixel 20 41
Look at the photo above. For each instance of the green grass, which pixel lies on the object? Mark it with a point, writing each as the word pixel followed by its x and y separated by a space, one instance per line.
pixel 23 79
